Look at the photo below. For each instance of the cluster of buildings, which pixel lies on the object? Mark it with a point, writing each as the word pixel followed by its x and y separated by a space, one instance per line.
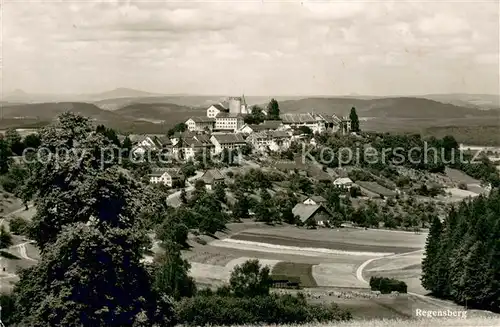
pixel 223 127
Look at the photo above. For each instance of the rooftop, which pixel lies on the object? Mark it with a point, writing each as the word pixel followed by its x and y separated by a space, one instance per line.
pixel 305 211
pixel 220 107
pixel 229 138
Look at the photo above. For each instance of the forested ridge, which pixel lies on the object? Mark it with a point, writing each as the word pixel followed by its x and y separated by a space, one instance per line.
pixel 462 254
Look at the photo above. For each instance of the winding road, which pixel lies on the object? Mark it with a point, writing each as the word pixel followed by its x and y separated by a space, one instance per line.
pixel 430 300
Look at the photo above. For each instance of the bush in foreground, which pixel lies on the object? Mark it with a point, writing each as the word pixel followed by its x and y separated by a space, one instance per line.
pixel 213 309
pixel 387 285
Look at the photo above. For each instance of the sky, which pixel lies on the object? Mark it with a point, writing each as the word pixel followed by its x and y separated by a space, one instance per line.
pixel 253 47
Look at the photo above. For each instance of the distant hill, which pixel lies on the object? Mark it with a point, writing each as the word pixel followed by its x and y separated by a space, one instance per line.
pixel 196 101
pixel 400 107
pixel 48 111
pixel 39 114
pixel 477 101
pixel 122 92
pixel 159 112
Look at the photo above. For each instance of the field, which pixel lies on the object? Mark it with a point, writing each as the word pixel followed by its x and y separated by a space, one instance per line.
pixel 333 265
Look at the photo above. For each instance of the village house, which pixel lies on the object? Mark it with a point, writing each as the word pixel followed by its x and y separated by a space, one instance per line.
pixel 270 140
pixel 314 214
pixel 216 109
pixel 200 124
pixel 187 148
pixel 143 143
pixel 318 123
pixel 212 177
pixel 315 200
pixel 344 183
pixel 227 141
pixel 167 176
pixel 184 135
pixel 267 125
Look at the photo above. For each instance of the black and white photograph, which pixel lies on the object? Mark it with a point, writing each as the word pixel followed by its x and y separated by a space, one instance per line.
pixel 314 163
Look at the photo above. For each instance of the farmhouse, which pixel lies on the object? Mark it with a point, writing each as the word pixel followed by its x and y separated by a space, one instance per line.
pixel 200 124
pixel 344 183
pixel 212 177
pixel 166 176
pixel 316 212
pixel 315 200
pixel 227 141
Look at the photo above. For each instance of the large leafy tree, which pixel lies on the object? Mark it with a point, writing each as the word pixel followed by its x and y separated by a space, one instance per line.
pixel 90 277
pixel 250 279
pixel 15 141
pixel 171 274
pixel 90 229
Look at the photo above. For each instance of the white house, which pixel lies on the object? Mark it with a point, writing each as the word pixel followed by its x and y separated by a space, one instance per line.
pixel 187 148
pixel 215 109
pixel 272 140
pixel 267 125
pixel 343 183
pixel 227 141
pixel 318 123
pixel 166 176
pixel 200 124
pixel 143 143
pixel 315 200
pixel 228 122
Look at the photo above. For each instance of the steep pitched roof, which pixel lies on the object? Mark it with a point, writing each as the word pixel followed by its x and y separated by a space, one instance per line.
pixel 220 107
pixel 305 211
pixel 317 198
pixel 212 175
pixel 173 172
pixel 203 119
pixel 298 118
pixel 229 138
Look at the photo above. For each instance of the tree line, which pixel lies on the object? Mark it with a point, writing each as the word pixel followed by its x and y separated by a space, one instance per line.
pixel 462 254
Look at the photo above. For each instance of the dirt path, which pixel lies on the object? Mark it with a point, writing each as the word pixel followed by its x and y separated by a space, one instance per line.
pixel 22 250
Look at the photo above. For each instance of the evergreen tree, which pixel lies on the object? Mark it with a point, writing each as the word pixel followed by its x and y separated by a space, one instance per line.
pixel 273 110
pixel 353 116
pixel 5 154
pixel 432 247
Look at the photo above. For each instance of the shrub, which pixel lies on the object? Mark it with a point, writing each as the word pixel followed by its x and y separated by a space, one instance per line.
pixel 387 285
pixel 462 186
pixel 270 309
pixel 18 225
pixel 8 184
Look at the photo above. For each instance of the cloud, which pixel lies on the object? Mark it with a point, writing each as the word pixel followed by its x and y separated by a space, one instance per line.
pixel 443 24
pixel 289 47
